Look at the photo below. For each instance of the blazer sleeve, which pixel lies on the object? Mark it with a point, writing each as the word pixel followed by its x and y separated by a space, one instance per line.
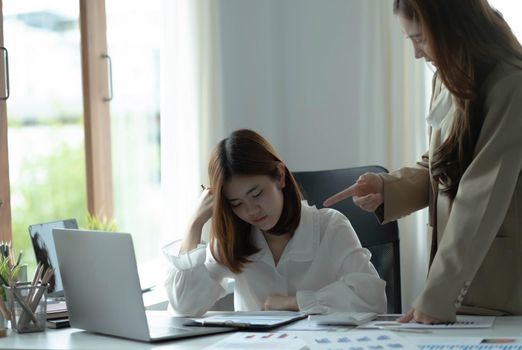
pixel 195 281
pixel 484 195
pixel 405 190
pixel 358 287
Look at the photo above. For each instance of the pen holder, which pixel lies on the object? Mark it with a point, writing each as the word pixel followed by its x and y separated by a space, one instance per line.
pixel 28 306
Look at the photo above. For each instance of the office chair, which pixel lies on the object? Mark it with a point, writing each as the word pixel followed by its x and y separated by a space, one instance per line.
pixel 381 240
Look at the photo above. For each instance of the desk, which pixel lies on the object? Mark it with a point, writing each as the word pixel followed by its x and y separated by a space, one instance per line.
pixel 71 338
pixel 155 299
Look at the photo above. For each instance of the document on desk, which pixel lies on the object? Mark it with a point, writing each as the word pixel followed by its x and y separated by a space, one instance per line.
pixel 360 340
pixel 251 320
pixel 306 325
pixel 488 346
pixel 463 321
pixel 259 341
pixel 468 343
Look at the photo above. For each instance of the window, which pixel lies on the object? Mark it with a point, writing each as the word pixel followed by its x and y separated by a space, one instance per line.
pixel 510 10
pixel 72 83
pixel 44 114
pixel 134 39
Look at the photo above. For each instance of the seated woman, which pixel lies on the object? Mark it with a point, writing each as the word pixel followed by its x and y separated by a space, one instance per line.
pixel 281 253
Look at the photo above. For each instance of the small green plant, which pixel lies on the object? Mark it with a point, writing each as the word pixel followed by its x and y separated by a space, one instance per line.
pixel 9 269
pixel 100 223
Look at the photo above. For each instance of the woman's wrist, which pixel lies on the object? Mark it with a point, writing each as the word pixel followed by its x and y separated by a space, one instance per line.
pixel 280 302
pixel 193 238
pixel 293 303
pixel 197 223
pixel 196 227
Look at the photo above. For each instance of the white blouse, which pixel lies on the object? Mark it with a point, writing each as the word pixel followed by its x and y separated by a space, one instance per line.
pixel 441 113
pixel 323 265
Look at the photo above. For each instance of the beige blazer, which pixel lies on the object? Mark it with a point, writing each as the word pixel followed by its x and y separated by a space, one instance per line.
pixel 476 257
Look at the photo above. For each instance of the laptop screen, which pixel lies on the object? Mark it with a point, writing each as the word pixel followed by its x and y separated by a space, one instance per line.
pixel 45 251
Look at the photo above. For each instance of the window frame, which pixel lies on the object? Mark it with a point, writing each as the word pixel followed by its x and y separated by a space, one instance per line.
pixel 96 110
pixel 5 194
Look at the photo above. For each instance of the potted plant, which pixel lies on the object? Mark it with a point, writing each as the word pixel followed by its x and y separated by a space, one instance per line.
pixel 9 268
pixel 100 223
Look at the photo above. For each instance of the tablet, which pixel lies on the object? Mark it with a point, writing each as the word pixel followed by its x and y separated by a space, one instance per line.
pixel 257 320
pixel 45 251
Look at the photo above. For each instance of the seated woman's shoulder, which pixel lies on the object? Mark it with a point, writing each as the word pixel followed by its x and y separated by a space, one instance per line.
pixel 332 214
pixel 329 219
pixel 333 220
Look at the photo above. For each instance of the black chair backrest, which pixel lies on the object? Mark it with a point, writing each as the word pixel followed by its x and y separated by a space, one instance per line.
pixel 381 240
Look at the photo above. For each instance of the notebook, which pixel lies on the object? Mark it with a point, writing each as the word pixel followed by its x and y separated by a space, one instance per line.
pixel 102 288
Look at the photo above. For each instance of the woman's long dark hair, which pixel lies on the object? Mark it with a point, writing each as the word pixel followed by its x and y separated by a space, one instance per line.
pixel 467 39
pixel 245 152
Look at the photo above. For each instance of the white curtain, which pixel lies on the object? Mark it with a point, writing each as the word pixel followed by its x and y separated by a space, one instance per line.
pixel 396 90
pixel 190 107
pixel 357 100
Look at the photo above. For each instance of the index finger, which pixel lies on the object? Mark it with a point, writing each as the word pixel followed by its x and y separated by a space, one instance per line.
pixel 350 191
pixel 408 317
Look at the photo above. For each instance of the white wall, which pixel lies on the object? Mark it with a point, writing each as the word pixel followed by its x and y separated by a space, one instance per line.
pixel 324 82
pixel 291 70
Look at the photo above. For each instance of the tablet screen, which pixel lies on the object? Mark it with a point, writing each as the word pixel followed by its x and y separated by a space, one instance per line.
pixel 45 251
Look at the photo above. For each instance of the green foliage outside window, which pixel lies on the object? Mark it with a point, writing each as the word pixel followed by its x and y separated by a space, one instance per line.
pixel 50 188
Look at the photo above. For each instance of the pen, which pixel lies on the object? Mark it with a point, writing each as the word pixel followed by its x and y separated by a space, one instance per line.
pixel 19 258
pixel 12 257
pixel 147 289
pixel 4 310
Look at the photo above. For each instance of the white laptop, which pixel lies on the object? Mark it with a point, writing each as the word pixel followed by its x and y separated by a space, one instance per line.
pixel 102 288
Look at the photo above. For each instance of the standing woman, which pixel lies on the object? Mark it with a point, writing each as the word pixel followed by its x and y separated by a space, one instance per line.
pixel 471 176
pixel 282 253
